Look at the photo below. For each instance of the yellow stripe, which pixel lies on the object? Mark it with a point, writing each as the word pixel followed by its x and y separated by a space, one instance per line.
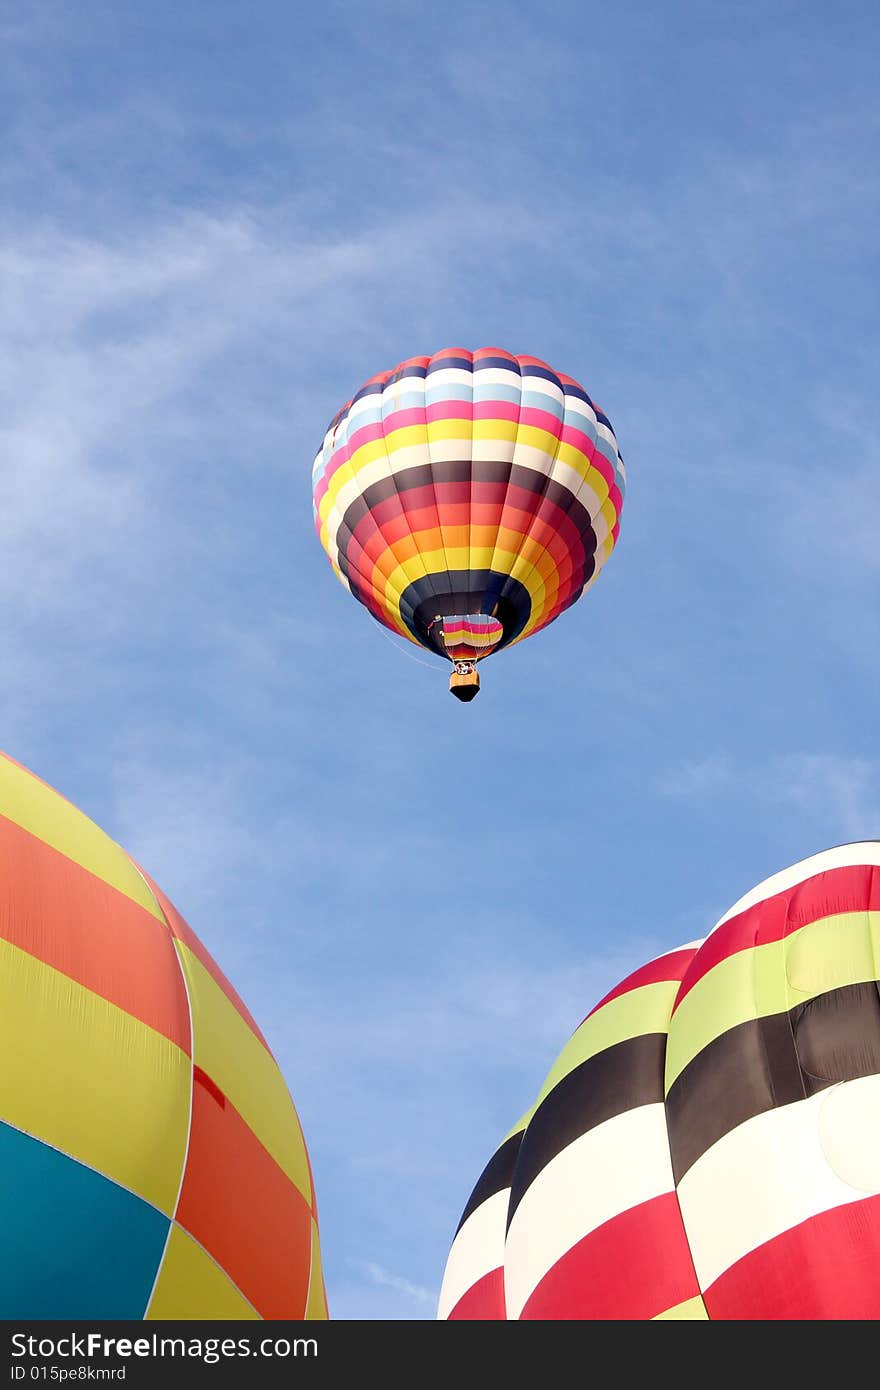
pixel 575 458
pixel 316 1307
pixel 692 1310
pixel 43 812
pixel 609 512
pixel 227 1049
pixel 487 430
pixel 762 980
pixel 191 1286
pixel 87 1078
pixel 534 437
pixel 462 558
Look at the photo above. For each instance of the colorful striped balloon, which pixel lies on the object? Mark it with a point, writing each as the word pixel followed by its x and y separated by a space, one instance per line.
pixel 707 1145
pixel 468 485
pixel 153 1162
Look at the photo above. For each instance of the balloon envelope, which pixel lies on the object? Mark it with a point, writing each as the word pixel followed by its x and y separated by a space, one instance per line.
pixel 707 1145
pixel 466 487
pixel 153 1162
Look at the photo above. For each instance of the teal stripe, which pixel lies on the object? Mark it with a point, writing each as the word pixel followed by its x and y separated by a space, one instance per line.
pixel 75 1245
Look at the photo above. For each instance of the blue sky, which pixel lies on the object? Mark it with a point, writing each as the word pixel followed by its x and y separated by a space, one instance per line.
pixel 217 221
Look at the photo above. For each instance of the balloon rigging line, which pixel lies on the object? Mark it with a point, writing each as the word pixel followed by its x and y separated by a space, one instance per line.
pixel 403 651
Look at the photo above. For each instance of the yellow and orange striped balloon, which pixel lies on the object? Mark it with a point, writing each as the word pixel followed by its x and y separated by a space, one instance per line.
pixel 153 1161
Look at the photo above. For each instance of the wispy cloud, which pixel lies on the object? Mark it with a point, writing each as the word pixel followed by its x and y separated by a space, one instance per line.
pixel 837 792
pixel 702 778
pixel 377 1275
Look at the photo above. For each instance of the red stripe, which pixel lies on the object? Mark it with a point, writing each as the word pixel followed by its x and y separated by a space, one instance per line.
pixel 483 1302
pixel 670 967
pixel 517 509
pixel 826 1268
pixel 69 918
pixel 855 888
pixel 203 1079
pixel 446 352
pixel 634 1266
pixel 493 352
pixel 244 1210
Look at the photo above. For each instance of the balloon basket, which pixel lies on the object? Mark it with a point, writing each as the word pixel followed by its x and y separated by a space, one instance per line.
pixel 464 685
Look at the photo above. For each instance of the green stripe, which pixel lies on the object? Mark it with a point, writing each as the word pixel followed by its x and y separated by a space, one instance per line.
pixel 630 1015
pixel 691 1310
pixel 827 954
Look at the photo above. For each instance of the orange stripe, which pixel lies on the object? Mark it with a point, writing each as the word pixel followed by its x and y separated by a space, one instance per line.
pixel 70 919
pixel 242 1208
pixel 184 933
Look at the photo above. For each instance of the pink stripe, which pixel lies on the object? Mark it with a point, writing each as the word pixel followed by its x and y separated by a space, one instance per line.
pixel 542 420
pixel 365 434
pixel 403 419
pixel 450 410
pixel 496 410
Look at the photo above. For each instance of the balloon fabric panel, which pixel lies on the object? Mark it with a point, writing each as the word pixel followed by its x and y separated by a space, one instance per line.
pixel 155 1166
pixel 707 1143
pixel 468 485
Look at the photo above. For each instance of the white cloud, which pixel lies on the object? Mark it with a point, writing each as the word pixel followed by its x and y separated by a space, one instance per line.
pixel 833 789
pixel 841 794
pixel 704 777
pixel 377 1275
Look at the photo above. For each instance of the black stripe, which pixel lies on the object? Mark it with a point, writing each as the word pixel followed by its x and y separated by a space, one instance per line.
pixel 496 1176
pixel 837 1035
pixel 503 363
pixel 463 363
pixel 373 388
pixel 483 591
pixel 400 373
pixel 547 373
pixel 619 1078
pixel 771 1061
pixel 439 595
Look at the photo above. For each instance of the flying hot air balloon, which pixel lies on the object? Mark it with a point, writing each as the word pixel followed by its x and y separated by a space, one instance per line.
pixel 467 499
pixel 707 1145
pixel 153 1164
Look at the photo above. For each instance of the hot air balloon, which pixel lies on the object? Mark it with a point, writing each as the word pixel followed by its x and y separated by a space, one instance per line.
pixel 467 499
pixel 153 1163
pixel 707 1145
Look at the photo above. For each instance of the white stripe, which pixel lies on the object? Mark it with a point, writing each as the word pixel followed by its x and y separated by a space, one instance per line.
pixel 449 376
pixel 773 1171
pixel 539 385
pixel 608 1170
pixel 476 1251
pixel 496 376
pixel 841 857
pixel 575 406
